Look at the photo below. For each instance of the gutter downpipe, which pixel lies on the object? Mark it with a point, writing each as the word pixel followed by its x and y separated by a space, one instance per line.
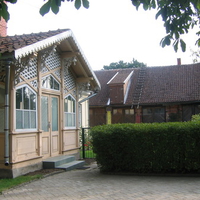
pixel 6 115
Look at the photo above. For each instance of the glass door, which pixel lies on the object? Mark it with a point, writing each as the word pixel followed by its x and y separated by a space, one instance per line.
pixel 50 125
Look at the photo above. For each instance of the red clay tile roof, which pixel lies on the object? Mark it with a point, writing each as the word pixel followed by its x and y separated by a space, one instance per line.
pixel 102 96
pixel 12 43
pixel 172 84
pixel 169 84
pixel 121 77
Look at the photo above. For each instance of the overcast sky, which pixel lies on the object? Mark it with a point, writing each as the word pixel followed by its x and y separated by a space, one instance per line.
pixel 109 31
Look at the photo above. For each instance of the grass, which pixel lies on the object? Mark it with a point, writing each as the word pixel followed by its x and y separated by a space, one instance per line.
pixel 9 183
pixel 88 154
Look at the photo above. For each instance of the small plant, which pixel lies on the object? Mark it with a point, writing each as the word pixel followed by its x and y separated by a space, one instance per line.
pixel 196 117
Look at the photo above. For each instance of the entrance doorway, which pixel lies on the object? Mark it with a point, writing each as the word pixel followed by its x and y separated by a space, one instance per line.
pixel 50 125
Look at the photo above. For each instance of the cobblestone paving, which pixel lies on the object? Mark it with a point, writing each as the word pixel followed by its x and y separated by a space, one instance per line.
pixel 89 184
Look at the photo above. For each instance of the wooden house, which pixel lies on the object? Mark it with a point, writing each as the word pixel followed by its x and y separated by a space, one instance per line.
pixel 44 78
pixel 149 94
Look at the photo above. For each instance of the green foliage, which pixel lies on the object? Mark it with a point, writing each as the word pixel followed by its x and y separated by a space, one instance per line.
pixel 9 183
pixel 54 5
pixel 148 148
pixel 178 16
pixel 123 65
pixel 196 118
pixel 196 56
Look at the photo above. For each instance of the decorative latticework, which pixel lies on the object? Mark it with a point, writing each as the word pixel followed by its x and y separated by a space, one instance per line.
pixel 58 73
pixel 44 70
pixel 69 80
pixel 34 83
pixel 74 92
pixel 30 71
pixel 53 61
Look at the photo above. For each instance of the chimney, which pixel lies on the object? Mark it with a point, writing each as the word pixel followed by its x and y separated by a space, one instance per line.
pixel 3 28
pixel 178 61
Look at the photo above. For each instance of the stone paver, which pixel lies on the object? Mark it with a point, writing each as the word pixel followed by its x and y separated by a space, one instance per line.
pixel 89 184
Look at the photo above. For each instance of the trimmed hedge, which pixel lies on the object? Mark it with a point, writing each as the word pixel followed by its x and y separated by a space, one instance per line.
pixel 148 148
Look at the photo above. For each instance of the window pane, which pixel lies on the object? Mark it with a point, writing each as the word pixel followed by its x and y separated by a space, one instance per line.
pixel 25 103
pixel 74 119
pixel 32 101
pixel 131 111
pixel 45 114
pixel 56 85
pixel 19 98
pixel 26 97
pixel 127 112
pixel 19 119
pixel 51 82
pixel 65 104
pixel 69 105
pixel 33 119
pixel 54 102
pixel 73 104
pixel 26 119
pixel 66 120
pixel 69 119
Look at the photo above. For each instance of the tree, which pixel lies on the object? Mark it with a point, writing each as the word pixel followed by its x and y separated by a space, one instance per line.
pixel 179 16
pixel 196 56
pixel 122 65
pixel 54 5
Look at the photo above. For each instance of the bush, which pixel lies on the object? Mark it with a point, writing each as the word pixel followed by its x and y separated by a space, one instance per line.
pixel 196 117
pixel 155 148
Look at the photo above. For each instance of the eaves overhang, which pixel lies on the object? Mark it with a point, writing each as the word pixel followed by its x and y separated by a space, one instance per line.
pixel 56 39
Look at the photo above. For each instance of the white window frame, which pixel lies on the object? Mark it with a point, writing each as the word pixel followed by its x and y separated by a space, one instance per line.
pixel 36 110
pixel 71 113
pixel 54 79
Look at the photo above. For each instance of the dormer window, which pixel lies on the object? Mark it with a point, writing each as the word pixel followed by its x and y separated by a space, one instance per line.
pixel 49 82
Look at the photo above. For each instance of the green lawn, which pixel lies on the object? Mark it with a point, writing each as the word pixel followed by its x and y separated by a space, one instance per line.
pixel 88 154
pixel 9 183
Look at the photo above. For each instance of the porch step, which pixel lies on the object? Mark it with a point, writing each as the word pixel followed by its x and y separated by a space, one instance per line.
pixel 71 165
pixel 62 162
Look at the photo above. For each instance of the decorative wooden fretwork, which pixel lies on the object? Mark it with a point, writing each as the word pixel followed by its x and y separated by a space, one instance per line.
pixel 45 54
pixel 53 61
pixel 58 73
pixel 34 83
pixel 83 87
pixel 68 62
pixel 31 70
pixel 69 80
pixel 27 67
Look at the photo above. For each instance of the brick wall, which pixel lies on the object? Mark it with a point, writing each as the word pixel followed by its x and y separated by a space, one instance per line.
pixel 3 28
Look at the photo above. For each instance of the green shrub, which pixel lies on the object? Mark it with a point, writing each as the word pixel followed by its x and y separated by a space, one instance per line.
pixel 158 147
pixel 196 117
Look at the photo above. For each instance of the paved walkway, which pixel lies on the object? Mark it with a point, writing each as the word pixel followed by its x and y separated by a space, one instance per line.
pixel 89 184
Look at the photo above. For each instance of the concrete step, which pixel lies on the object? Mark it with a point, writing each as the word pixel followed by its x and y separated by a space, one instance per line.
pixel 72 165
pixel 53 162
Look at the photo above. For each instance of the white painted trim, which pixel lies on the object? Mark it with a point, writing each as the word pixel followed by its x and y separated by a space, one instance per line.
pixel 128 76
pixel 112 78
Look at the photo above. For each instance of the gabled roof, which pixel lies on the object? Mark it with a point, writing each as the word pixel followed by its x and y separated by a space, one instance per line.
pixel 160 85
pixel 17 42
pixel 19 46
